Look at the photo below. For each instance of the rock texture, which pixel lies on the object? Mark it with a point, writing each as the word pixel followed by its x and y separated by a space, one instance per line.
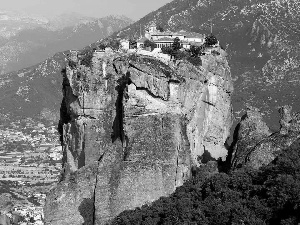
pixel 255 145
pixel 132 128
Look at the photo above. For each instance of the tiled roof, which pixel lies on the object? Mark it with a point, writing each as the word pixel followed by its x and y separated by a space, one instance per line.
pixel 180 33
pixel 192 34
pixel 165 39
pixel 168 33
pixel 195 43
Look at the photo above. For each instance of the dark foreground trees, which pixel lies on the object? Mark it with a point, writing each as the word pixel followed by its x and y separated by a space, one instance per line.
pixel 270 195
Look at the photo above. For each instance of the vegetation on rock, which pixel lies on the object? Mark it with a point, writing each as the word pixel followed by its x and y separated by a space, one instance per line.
pixel 191 55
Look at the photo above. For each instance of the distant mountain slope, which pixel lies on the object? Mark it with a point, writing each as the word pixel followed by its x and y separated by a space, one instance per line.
pixel 68 20
pixel 33 91
pixel 261 37
pixel 12 23
pixel 31 46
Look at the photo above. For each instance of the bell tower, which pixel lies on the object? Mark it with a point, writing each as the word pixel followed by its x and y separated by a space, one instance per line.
pixel 152 28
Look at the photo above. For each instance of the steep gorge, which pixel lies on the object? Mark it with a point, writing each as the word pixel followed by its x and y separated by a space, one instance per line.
pixel 133 127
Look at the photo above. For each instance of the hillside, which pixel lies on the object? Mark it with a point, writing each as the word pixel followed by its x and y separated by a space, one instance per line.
pixel 12 23
pixel 33 44
pixel 29 91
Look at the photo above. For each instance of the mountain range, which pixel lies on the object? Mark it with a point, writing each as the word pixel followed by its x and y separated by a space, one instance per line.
pixel 26 41
pixel 260 37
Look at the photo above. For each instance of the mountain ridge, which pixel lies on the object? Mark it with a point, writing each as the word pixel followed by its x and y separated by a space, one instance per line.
pixel 262 51
pixel 30 46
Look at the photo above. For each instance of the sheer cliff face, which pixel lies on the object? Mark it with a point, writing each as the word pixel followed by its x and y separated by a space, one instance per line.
pixel 133 127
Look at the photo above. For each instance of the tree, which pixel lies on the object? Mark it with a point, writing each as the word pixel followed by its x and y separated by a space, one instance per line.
pixel 102 46
pixel 167 50
pixel 86 57
pixel 195 51
pixel 31 220
pixel 148 43
pixel 160 28
pixel 114 44
pixel 211 40
pixel 176 44
pixel 132 43
pixel 111 43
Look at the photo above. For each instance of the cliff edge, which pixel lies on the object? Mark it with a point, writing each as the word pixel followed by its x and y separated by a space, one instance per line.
pixel 132 128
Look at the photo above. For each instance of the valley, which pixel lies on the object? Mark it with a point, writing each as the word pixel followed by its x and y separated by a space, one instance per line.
pixel 30 164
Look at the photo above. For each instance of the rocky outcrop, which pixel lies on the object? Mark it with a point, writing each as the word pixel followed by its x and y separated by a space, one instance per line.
pixel 256 146
pixel 132 129
pixel 250 131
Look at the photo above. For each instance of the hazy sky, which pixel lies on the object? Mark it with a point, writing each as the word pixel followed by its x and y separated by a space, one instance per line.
pixel 134 9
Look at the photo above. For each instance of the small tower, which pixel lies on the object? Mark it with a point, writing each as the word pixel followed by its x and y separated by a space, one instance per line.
pixel 73 56
pixel 152 28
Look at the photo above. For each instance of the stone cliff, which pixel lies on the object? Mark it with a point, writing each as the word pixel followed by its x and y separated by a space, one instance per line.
pixel 255 145
pixel 132 128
